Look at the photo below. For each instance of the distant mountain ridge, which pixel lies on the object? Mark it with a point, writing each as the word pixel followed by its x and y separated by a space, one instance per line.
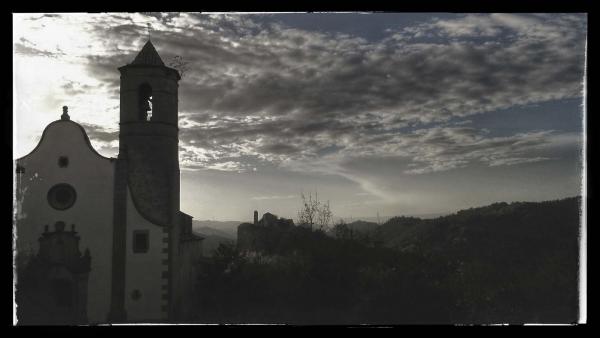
pixel 215 233
pixel 208 231
pixel 513 222
pixel 502 263
pixel 383 219
pixel 226 229
pixel 362 226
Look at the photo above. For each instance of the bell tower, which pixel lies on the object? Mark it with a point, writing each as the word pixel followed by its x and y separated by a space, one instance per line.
pixel 148 137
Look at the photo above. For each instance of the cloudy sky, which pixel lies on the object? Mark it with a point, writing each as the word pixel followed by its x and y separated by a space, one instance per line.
pixel 384 113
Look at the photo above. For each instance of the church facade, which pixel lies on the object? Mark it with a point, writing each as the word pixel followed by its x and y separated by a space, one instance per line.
pixel 120 216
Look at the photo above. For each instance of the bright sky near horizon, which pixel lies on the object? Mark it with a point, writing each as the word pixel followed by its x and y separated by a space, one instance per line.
pixel 383 113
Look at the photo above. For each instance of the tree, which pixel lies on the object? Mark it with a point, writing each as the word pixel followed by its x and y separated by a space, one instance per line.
pixel 314 213
pixel 179 64
pixel 324 216
pixel 341 231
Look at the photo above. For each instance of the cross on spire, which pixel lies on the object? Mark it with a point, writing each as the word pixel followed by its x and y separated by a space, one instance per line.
pixel 148 27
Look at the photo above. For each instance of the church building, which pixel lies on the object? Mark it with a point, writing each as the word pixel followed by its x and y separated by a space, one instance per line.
pixel 103 240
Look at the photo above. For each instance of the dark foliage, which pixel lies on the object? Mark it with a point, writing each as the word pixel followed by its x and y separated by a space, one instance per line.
pixel 505 263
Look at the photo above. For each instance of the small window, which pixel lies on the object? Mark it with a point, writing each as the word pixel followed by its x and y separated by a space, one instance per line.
pixel 63 161
pixel 140 241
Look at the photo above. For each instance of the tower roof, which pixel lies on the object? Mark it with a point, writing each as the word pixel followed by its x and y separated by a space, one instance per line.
pixel 148 56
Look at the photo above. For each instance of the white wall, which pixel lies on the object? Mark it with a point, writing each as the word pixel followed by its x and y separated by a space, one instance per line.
pixel 144 270
pixel 92 177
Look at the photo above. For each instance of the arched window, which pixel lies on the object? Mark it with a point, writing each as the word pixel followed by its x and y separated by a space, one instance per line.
pixel 145 102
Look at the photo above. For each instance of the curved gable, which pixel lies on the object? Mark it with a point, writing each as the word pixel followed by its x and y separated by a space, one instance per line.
pixel 65 157
pixel 63 133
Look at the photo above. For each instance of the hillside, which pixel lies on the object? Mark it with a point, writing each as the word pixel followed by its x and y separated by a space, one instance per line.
pixel 208 231
pixel 503 263
pixel 226 229
pixel 215 233
pixel 518 254
pixel 362 226
pixel 496 226
pixel 212 242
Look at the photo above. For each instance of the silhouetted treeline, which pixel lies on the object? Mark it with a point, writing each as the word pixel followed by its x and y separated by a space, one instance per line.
pixel 502 263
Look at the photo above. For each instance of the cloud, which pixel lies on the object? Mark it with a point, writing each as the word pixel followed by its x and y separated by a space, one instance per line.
pixel 288 95
pixel 105 141
pixel 274 197
pixel 469 25
pixel 100 133
pixel 444 148
pixel 516 160
pixel 244 67
pixel 263 92
pixel 21 48
pixel 76 88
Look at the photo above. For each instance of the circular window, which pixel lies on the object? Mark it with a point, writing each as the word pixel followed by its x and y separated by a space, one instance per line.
pixel 62 196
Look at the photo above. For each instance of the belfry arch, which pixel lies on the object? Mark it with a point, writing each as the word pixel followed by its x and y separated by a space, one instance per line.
pixel 145 102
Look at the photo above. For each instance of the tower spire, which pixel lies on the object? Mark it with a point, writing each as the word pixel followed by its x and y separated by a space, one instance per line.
pixel 148 56
pixel 148 28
